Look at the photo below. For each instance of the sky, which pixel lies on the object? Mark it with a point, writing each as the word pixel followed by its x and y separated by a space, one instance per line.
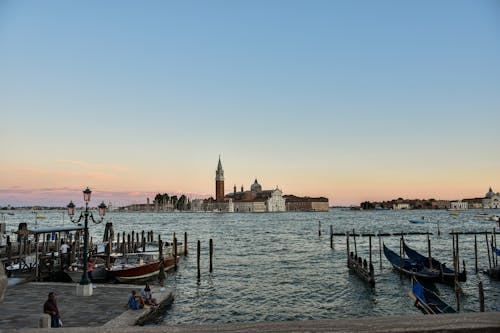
pixel 352 100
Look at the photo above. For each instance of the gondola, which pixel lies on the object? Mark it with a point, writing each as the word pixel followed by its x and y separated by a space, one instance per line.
pixel 411 267
pixel 448 273
pixel 427 301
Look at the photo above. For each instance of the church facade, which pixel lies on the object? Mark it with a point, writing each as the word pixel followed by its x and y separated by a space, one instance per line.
pixel 252 201
pixel 491 199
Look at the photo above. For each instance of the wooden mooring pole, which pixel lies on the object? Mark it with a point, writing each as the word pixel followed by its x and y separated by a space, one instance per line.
pixel 175 253
pixel 198 251
pixel 370 245
pixel 481 297
pixel 495 245
pixel 331 236
pixel 355 246
pixel 380 250
pixel 401 256
pixel 429 250
pixel 319 228
pixel 488 247
pixel 347 247
pixel 475 251
pixel 185 243
pixel 211 244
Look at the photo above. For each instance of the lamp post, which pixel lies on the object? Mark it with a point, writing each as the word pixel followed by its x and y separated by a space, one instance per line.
pixel 86 215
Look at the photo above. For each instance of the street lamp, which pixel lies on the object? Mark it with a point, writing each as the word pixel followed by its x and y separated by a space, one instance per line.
pixel 86 214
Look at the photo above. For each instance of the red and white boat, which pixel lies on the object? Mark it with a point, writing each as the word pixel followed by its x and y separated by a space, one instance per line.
pixel 136 267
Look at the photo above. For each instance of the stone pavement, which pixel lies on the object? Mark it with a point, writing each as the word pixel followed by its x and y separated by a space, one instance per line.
pixel 447 323
pixel 23 305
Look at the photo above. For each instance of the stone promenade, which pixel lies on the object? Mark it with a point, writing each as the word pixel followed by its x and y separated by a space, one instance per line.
pixel 105 312
pixel 23 305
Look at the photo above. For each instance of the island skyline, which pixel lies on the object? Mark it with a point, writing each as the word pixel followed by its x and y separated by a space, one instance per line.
pixel 352 102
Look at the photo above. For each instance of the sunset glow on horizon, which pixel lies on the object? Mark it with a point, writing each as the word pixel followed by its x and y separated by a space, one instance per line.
pixel 347 101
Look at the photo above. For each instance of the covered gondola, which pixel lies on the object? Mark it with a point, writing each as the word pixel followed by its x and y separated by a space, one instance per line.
pixel 428 301
pixel 447 273
pixel 411 267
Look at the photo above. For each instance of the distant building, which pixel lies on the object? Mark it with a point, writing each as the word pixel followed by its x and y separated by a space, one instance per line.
pixel 491 199
pixel 255 200
pixel 440 204
pixel 459 205
pixel 308 204
pixel 401 205
pixel 474 203
pixel 197 205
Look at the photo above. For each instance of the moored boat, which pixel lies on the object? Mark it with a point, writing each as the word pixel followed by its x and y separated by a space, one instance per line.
pixel 135 267
pixel 417 221
pixel 428 301
pixel 448 274
pixel 411 267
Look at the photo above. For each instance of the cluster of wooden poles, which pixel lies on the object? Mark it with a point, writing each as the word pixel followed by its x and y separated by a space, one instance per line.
pixel 147 238
pixel 366 272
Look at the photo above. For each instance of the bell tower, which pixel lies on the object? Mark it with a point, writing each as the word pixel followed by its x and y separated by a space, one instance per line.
pixel 219 183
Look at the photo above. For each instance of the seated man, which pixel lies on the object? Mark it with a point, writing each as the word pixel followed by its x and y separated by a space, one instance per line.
pixel 135 302
pixel 148 296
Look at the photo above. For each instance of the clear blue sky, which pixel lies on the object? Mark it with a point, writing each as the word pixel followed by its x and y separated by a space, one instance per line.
pixel 354 100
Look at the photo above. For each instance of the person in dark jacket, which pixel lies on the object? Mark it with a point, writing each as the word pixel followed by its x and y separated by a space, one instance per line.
pixel 50 307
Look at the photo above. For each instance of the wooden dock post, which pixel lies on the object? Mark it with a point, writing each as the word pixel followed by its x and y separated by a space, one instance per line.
pixel 143 242
pixel 161 272
pixel 9 250
pixel 175 253
pixel 185 243
pixel 117 243
pixel 198 251
pixel 458 256
pixel 211 244
pixel 355 246
pixel 380 249
pixel 347 247
pixel 475 251
pixel 439 231
pixel 481 297
pixel 401 256
pixel 495 245
pixel 493 255
pixel 370 245
pixel 132 242
pixel 124 243
pixel 429 250
pixel 128 244
pixel 319 228
pixel 488 247
pixel 331 236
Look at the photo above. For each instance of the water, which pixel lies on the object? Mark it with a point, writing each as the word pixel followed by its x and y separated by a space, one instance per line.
pixel 275 267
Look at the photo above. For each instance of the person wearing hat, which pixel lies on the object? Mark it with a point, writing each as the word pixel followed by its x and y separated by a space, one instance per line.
pixel 50 307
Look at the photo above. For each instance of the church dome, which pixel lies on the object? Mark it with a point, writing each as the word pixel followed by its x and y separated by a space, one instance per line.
pixel 490 193
pixel 256 187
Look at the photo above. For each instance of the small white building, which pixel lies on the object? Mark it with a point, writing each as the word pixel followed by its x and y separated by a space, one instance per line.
pixel 491 200
pixel 459 205
pixel 401 205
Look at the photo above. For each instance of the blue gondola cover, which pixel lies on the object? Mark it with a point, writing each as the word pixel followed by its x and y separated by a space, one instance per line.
pixel 418 290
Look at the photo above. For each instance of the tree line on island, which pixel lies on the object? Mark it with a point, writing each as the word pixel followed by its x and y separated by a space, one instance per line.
pixel 166 202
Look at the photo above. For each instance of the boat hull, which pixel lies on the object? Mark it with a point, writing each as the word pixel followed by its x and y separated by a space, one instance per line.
pixel 448 275
pixel 410 268
pixel 142 272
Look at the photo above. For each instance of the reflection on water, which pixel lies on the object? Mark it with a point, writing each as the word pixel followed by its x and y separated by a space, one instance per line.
pixel 270 267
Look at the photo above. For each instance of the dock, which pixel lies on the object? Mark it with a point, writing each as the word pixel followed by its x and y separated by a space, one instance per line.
pixel 107 307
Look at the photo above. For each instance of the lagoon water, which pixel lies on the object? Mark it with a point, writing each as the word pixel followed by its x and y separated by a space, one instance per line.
pixel 275 267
